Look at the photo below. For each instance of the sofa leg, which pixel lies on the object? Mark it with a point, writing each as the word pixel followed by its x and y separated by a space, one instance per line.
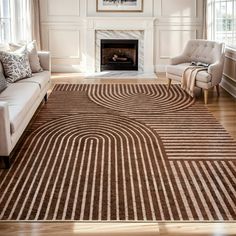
pixel 46 97
pixel 169 84
pixel 7 162
pixel 218 90
pixel 206 96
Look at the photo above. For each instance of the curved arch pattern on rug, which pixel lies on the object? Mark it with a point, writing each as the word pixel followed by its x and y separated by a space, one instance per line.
pixel 142 98
pixel 93 147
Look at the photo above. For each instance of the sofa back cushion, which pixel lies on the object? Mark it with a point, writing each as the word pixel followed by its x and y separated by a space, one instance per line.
pixel 32 52
pixel 203 51
pixel 1 68
pixel 16 66
pixel 3 82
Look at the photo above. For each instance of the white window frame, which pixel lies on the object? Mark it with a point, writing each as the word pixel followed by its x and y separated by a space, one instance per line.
pixel 212 22
pixel 20 21
pixel 3 39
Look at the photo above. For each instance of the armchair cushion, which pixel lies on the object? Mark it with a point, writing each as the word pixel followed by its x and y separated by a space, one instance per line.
pixel 202 50
pixel 178 70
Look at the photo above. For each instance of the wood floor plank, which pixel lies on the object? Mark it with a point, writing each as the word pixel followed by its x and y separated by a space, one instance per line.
pixel 81 229
pixel 197 229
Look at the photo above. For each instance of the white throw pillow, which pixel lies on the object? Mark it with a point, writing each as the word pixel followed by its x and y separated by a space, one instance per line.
pixel 32 52
pixel 16 66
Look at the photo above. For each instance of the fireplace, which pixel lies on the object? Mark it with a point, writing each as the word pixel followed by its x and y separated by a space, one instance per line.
pixel 119 54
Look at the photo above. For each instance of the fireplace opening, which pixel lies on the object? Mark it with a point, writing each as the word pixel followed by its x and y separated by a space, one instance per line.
pixel 119 54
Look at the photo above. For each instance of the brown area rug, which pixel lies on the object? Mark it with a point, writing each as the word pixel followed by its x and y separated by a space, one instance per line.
pixel 121 153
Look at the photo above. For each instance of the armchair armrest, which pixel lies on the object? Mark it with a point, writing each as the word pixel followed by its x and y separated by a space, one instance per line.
pixel 5 136
pixel 216 71
pixel 45 60
pixel 177 60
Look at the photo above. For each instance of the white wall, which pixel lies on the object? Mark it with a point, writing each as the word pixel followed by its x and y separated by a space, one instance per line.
pixel 63 24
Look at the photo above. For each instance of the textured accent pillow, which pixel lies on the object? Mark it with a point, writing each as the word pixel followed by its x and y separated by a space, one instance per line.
pixel 32 52
pixel 3 82
pixel 15 66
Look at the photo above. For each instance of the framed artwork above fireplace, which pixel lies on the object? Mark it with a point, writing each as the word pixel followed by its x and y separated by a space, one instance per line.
pixel 119 5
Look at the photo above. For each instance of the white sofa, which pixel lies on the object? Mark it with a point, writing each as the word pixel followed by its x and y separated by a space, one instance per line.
pixel 18 103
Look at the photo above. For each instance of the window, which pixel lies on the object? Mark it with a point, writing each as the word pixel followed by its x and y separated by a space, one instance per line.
pixel 5 21
pixel 14 21
pixel 224 24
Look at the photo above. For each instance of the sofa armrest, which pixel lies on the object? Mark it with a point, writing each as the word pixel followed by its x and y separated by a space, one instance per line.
pixel 5 133
pixel 177 60
pixel 45 60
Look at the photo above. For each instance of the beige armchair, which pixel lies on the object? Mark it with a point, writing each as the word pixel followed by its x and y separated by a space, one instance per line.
pixel 209 52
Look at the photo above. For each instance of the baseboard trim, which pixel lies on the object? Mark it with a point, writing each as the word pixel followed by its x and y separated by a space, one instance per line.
pixel 226 85
pixel 67 68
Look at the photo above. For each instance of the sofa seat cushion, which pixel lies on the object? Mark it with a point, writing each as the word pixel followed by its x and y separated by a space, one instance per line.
pixel 202 76
pixel 41 79
pixel 20 97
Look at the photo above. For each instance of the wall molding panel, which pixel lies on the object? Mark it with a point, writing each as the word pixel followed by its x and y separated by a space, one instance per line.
pixel 181 7
pixel 58 37
pixel 66 22
pixel 63 8
pixel 168 38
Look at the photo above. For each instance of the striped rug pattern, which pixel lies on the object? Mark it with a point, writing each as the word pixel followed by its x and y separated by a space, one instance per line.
pixel 121 152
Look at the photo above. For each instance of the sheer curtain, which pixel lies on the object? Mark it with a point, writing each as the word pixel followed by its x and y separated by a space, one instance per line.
pixel 25 21
pixel 34 15
pixel 204 25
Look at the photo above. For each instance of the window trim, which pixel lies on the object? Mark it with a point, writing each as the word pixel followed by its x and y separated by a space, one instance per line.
pixel 211 12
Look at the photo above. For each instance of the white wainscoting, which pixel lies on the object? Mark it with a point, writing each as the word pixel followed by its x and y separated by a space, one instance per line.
pixel 229 78
pixel 58 43
pixel 63 8
pixel 181 8
pixel 64 22
pixel 171 42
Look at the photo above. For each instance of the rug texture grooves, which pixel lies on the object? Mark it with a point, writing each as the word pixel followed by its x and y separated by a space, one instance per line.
pixel 121 152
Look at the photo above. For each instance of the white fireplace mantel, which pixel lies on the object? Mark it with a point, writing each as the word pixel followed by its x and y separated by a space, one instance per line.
pixel 145 24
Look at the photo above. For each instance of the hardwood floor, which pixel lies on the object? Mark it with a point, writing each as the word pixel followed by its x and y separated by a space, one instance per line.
pixel 117 229
pixel 223 108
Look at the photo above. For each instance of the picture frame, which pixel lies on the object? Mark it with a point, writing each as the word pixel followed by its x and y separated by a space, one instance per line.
pixel 119 5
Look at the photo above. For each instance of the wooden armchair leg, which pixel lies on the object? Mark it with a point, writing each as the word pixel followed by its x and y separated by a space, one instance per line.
pixel 218 90
pixel 205 96
pixel 169 84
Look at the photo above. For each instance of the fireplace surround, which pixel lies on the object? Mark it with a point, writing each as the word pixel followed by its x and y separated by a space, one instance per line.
pixel 120 28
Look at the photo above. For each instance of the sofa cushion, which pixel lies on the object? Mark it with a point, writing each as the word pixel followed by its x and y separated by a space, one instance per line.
pixel 202 76
pixel 16 66
pixel 42 79
pixel 3 82
pixel 32 52
pixel 1 67
pixel 20 98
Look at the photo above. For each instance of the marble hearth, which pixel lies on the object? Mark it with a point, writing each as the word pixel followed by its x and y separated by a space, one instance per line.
pixel 120 28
